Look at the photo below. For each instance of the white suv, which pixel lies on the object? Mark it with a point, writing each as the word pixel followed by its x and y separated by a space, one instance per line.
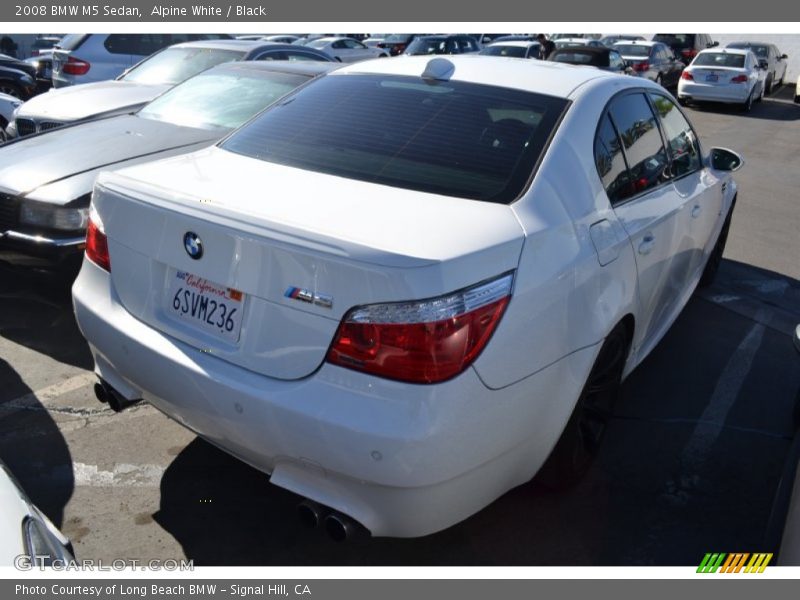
pixel 88 57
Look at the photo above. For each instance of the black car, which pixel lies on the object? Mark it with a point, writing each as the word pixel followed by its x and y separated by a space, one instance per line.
pixel 606 59
pixel 442 44
pixel 686 45
pixel 17 83
pixel 397 42
pixel 14 63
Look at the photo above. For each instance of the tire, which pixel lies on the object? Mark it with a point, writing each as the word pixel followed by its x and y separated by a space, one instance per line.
pixel 748 104
pixel 581 438
pixel 715 258
pixel 682 101
pixel 768 84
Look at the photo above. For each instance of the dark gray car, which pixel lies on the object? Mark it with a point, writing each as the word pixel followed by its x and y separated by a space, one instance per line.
pixel 143 82
pixel 46 179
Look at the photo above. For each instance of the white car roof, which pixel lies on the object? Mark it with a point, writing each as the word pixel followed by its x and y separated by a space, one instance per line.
pixel 542 77
pixel 717 50
pixel 573 39
pixel 517 43
pixel 647 43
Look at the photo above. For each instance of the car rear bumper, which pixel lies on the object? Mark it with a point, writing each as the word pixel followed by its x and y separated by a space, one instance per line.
pixel 731 94
pixel 403 460
pixel 41 251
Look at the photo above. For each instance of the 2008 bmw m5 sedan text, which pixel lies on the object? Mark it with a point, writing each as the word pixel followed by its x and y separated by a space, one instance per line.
pixel 410 285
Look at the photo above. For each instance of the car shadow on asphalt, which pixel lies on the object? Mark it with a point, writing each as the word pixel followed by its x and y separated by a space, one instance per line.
pixel 778 106
pixel 693 456
pixel 36 312
pixel 32 446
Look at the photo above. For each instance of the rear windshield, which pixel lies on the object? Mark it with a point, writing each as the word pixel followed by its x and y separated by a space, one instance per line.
pixel 677 41
pixel 72 41
pixel 430 46
pixel 760 51
pixel 173 65
pixel 397 38
pixel 719 59
pixel 514 51
pixel 452 138
pixel 576 58
pixel 632 50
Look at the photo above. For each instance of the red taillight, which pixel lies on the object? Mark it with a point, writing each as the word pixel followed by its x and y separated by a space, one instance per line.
pixel 739 79
pixel 97 246
pixel 421 342
pixel 75 66
pixel 687 75
pixel 641 66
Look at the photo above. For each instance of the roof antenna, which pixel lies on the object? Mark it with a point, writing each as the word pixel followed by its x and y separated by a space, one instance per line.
pixel 439 69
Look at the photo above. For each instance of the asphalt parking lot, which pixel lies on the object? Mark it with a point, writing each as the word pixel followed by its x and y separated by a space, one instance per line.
pixel 691 463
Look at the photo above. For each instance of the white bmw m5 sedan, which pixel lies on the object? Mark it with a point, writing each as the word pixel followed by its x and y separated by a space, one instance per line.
pixel 411 285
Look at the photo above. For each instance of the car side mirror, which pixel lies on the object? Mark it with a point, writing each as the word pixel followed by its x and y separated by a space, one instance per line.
pixel 722 159
pixel 784 56
pixel 712 45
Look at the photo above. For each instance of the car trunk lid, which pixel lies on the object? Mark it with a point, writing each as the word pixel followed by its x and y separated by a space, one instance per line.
pixel 302 249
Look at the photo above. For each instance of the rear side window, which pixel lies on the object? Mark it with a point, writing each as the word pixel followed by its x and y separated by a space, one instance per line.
pixel 610 162
pixel 681 139
pixel 638 133
pixel 452 138
pixel 123 43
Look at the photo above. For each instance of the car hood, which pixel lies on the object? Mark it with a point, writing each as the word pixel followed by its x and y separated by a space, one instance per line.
pixel 78 102
pixel 34 161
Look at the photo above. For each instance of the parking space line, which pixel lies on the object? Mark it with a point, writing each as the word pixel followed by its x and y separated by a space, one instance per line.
pixel 38 399
pixel 711 423
pixel 122 475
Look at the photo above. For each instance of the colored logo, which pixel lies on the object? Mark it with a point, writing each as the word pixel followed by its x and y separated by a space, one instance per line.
pixel 295 293
pixel 193 245
pixel 734 563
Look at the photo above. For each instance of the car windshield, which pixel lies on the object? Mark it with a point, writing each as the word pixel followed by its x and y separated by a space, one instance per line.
pixel 174 65
pixel 719 59
pixel 515 51
pixel 428 46
pixel 453 138
pixel 760 51
pixel 632 50
pixel 219 99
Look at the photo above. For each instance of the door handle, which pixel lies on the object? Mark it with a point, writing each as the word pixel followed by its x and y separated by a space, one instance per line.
pixel 696 211
pixel 647 245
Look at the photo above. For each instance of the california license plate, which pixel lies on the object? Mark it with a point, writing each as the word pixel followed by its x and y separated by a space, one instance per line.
pixel 211 307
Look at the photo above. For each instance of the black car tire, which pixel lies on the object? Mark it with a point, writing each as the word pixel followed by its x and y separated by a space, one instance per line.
pixel 715 258
pixel 768 84
pixel 748 104
pixel 581 438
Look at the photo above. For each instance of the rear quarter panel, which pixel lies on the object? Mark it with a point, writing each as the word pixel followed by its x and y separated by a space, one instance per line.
pixel 564 300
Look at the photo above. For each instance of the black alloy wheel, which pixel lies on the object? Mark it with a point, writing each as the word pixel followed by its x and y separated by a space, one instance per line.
pixel 586 428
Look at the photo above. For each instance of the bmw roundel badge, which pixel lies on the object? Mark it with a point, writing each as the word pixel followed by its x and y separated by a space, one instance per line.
pixel 193 245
